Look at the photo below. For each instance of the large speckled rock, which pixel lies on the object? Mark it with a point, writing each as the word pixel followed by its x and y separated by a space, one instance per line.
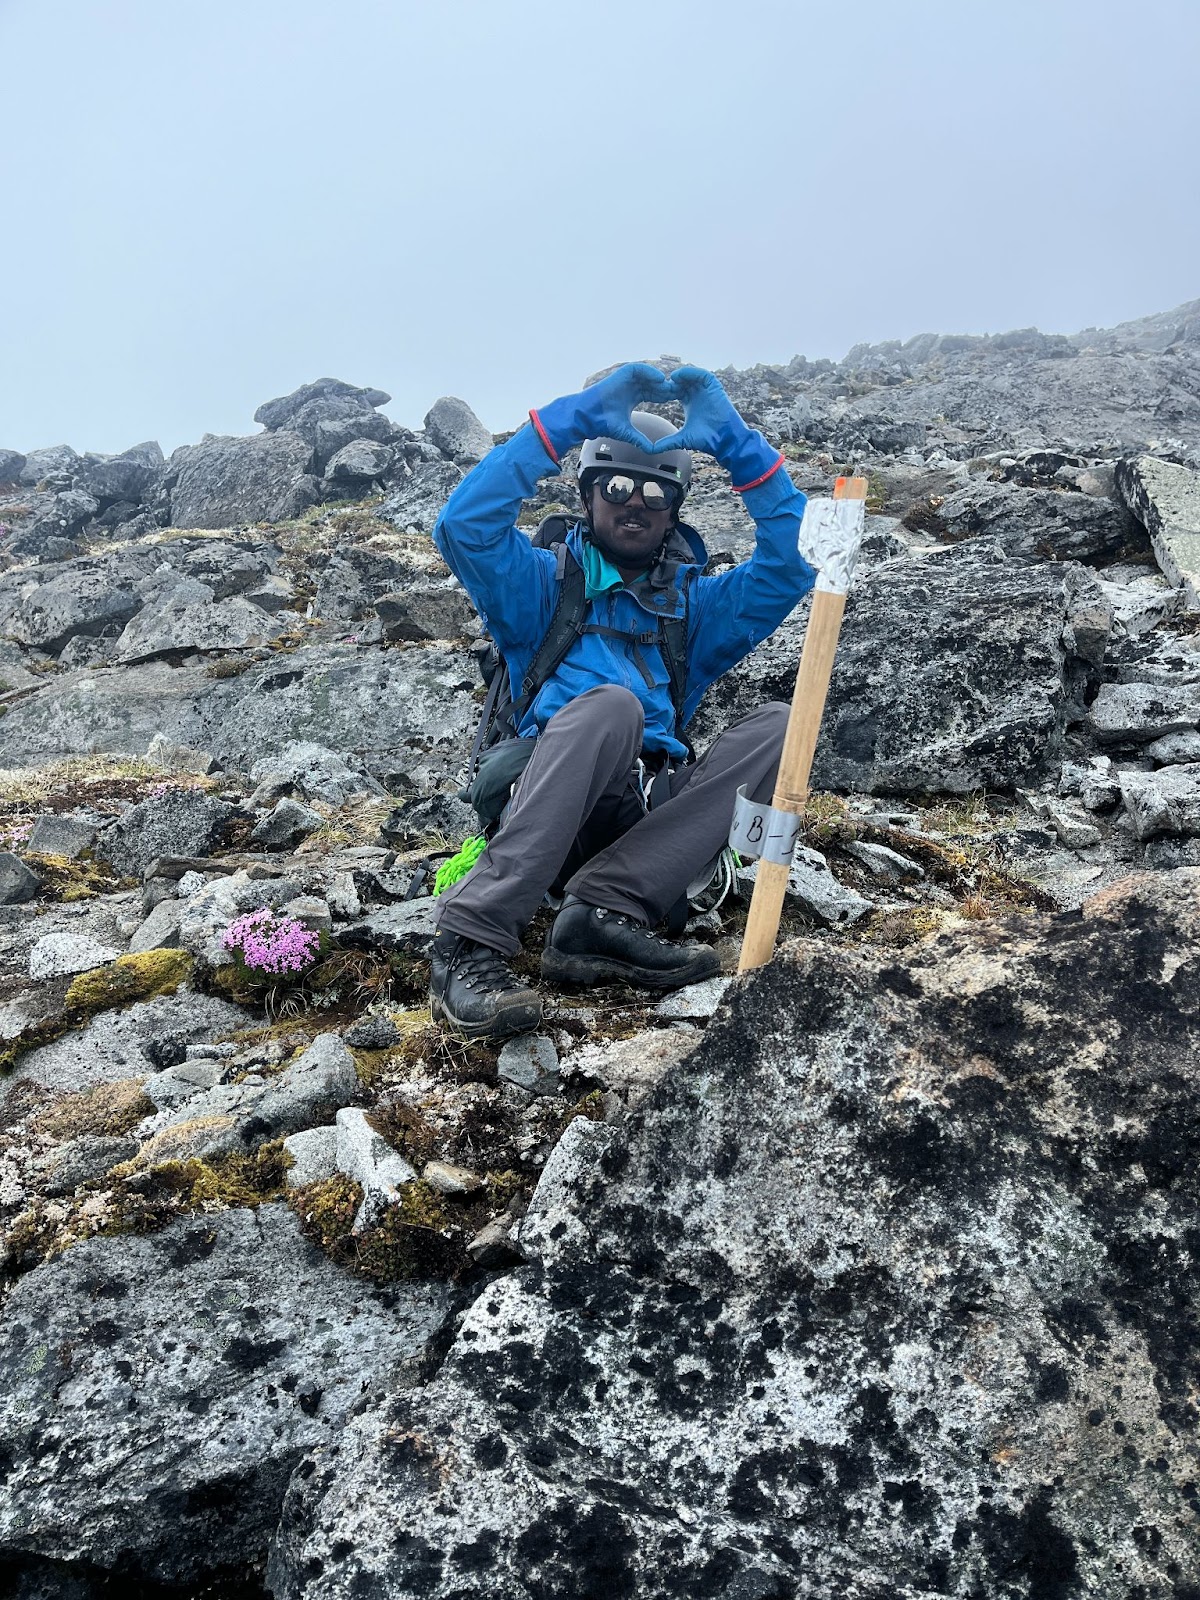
pixel 180 822
pixel 158 1392
pixel 952 675
pixel 225 481
pixel 393 708
pixel 890 1289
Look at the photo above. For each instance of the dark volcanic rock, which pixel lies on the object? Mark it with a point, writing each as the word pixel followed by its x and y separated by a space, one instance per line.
pixel 1038 524
pixel 159 1392
pixel 412 711
pixel 181 822
pixel 951 675
pixel 890 1289
pixel 224 481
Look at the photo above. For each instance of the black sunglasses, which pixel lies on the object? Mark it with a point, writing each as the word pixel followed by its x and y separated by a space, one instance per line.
pixel 617 487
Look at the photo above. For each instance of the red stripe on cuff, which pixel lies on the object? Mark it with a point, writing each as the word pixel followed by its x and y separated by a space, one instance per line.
pixel 550 450
pixel 740 488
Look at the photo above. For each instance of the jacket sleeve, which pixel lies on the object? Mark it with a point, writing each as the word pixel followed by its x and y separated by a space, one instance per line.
pixel 736 610
pixel 509 581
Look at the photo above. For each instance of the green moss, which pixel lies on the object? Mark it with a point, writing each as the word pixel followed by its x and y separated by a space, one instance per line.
pixel 128 978
pixel 145 1197
pixel 121 983
pixel 405 1129
pixel 590 1106
pixel 416 1238
pixel 69 878
pixel 198 1185
pixel 504 1187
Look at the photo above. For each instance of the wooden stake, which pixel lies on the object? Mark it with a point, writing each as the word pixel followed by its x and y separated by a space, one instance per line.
pixel 799 745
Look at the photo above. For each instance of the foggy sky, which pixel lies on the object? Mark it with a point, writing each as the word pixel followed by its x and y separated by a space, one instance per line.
pixel 208 204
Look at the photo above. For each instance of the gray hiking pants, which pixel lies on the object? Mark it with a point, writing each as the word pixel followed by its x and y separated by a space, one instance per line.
pixel 576 819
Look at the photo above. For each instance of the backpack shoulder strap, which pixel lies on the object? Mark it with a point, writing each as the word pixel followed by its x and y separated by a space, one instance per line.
pixel 673 643
pixel 566 624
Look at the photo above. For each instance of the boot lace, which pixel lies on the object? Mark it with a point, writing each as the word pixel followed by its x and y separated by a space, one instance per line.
pixel 485 970
pixel 604 915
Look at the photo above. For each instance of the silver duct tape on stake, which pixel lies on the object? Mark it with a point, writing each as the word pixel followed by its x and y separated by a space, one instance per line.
pixel 830 535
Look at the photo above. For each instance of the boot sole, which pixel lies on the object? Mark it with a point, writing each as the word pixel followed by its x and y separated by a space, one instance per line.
pixel 560 968
pixel 524 1019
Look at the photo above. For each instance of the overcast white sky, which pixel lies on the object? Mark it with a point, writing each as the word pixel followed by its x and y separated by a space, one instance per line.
pixel 209 202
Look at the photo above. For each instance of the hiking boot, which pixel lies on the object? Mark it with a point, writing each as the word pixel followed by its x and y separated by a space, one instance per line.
pixel 589 944
pixel 473 988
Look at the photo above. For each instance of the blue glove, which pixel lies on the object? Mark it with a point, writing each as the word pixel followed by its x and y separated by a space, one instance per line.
pixel 601 411
pixel 711 424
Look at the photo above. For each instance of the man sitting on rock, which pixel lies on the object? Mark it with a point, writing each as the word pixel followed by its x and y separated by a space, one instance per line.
pixel 603 728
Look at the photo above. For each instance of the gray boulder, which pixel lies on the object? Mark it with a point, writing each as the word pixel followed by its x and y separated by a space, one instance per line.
pixel 55 461
pixel 1139 713
pixel 329 415
pixel 160 930
pixel 181 627
pixel 878 1245
pixel 361 462
pixel 1166 801
pixel 12 463
pixel 352 578
pixel 79 600
pixel 224 481
pixel 457 431
pixel 55 835
pixel 951 676
pixel 404 929
pixel 130 476
pixel 57 522
pixel 205 1361
pixel 62 954
pixel 178 757
pixel 400 711
pixel 330 392
pixel 1165 498
pixel 181 822
pixel 317 772
pixel 17 883
pixel 286 825
pixel 238 1116
pixel 417 501
pixel 432 610
pixel 1037 524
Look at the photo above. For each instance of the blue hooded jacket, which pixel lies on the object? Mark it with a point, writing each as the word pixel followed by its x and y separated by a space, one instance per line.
pixel 514 588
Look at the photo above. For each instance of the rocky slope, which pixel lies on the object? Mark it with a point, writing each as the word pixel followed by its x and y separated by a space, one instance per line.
pixel 872 1274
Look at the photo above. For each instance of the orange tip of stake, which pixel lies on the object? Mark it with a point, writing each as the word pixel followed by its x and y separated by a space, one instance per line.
pixel 850 489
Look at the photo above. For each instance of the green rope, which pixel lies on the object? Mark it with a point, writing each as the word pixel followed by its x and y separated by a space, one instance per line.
pixel 458 866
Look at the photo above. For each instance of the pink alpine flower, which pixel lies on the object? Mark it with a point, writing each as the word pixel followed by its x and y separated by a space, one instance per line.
pixel 274 945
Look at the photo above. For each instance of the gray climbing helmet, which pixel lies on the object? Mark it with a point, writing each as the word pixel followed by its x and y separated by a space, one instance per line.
pixel 601 455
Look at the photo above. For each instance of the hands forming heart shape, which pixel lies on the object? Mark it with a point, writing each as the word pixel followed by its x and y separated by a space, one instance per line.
pixel 711 423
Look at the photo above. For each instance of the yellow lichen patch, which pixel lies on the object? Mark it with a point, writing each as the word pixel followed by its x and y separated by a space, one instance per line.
pixel 111 1109
pixel 140 1198
pixel 899 929
pixel 69 878
pixel 128 978
pixel 123 981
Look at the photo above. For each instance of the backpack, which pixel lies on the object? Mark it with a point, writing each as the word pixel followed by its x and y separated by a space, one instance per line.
pixel 492 769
